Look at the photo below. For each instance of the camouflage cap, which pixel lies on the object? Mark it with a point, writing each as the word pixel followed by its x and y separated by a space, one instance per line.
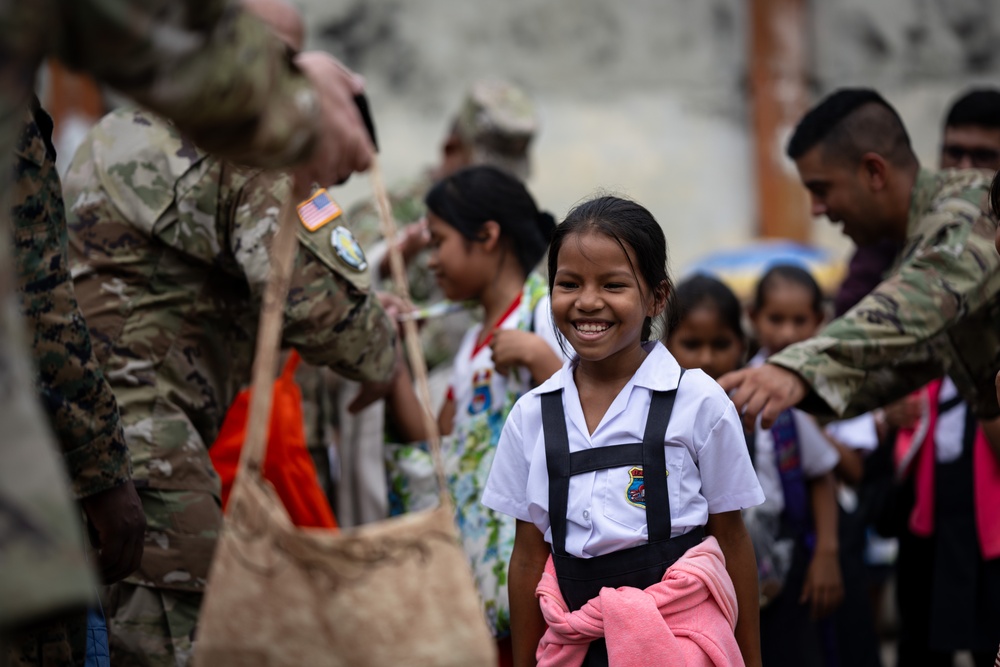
pixel 498 120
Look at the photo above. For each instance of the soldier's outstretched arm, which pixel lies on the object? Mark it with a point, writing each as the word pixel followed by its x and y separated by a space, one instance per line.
pixel 212 68
pixel 885 346
pixel 332 317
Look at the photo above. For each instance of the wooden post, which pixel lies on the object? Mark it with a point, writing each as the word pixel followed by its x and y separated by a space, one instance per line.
pixel 778 100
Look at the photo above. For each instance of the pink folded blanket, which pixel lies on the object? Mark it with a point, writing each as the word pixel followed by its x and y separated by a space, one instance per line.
pixel 687 619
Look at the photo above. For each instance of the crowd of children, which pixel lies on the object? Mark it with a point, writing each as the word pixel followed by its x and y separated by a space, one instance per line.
pixel 567 395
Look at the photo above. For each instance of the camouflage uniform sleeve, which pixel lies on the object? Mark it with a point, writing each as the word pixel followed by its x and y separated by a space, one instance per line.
pixel 79 402
pixel 897 338
pixel 331 316
pixel 217 72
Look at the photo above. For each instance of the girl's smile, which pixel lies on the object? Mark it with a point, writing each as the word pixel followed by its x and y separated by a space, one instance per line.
pixel 600 303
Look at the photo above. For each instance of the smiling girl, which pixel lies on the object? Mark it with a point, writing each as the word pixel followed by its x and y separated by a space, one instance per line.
pixel 624 472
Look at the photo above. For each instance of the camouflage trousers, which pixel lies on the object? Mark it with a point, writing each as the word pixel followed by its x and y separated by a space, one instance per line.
pixel 152 615
pixel 151 627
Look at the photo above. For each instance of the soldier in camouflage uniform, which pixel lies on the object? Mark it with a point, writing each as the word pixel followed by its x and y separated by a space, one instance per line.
pixel 231 85
pixel 494 125
pixel 936 314
pixel 169 255
pixel 77 399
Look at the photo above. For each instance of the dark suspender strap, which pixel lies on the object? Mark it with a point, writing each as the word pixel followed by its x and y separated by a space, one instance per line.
pixel 602 458
pixel 557 462
pixel 654 464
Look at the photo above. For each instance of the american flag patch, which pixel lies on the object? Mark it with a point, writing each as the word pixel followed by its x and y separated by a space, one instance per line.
pixel 318 210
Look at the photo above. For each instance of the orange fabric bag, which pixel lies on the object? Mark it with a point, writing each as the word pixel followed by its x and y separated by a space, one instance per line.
pixel 287 464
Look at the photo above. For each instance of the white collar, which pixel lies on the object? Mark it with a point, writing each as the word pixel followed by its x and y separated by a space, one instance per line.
pixel 659 371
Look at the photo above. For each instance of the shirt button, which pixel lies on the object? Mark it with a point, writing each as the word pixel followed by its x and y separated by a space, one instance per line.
pixel 586 514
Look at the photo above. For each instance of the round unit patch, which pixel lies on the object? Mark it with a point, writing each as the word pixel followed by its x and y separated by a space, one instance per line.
pixel 348 249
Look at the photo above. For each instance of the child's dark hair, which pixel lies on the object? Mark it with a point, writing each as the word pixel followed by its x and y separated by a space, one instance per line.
pixel 795 275
pixel 633 228
pixel 470 197
pixel 700 291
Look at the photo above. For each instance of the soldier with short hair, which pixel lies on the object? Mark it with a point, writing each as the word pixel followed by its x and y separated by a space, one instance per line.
pixel 936 313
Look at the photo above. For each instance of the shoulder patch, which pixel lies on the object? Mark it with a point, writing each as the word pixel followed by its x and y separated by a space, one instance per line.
pixel 348 249
pixel 318 210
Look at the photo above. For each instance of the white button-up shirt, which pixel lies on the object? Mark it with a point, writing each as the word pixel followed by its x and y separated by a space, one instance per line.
pixel 709 469
pixel 817 454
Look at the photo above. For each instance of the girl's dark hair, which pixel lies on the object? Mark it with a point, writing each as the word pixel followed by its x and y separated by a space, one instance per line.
pixel 470 197
pixel 795 275
pixel 633 228
pixel 701 290
pixel 995 196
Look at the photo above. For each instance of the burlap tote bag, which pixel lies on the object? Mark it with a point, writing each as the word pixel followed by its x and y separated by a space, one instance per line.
pixel 397 592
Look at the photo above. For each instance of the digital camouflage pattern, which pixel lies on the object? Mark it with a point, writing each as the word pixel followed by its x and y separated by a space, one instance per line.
pixel 79 403
pixel 169 257
pixel 938 312
pixel 226 80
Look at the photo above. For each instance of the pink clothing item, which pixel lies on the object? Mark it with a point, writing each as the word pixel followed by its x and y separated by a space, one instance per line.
pixel 985 482
pixel 686 620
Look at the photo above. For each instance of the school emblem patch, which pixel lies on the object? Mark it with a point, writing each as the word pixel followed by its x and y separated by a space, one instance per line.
pixel 482 397
pixel 635 494
pixel 348 249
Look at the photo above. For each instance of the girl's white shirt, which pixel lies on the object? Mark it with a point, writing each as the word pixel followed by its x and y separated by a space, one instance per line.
pixel 474 380
pixel 709 469
pixel 817 454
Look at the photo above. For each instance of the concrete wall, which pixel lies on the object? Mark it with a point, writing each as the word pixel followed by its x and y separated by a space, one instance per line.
pixel 644 97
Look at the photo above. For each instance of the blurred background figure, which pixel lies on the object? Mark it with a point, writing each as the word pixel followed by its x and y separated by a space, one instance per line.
pixel 495 125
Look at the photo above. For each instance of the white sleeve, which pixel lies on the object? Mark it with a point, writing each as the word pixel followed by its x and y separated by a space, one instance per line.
pixel 728 480
pixel 818 455
pixel 857 433
pixel 507 484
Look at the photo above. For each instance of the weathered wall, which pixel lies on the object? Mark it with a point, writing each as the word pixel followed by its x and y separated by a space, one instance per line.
pixel 644 97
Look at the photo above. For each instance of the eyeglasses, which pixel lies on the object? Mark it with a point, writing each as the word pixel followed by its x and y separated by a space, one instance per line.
pixel 981 158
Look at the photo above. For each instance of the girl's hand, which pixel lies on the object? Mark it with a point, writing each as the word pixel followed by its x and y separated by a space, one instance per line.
pixel 823 586
pixel 512 347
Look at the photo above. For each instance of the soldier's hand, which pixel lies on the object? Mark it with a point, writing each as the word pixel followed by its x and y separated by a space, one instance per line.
pixel 117 528
pixel 766 391
pixel 372 391
pixel 904 413
pixel 343 145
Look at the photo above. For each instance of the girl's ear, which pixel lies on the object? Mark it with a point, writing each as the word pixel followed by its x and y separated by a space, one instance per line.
pixel 659 301
pixel 489 235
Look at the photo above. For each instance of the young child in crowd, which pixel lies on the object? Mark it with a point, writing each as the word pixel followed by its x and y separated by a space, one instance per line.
pixel 487 236
pixel 795 462
pixel 707 332
pixel 572 464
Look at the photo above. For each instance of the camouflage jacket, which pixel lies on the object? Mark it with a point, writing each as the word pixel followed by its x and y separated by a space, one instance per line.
pixel 79 402
pixel 937 313
pixel 216 71
pixel 169 256
pixel 226 80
